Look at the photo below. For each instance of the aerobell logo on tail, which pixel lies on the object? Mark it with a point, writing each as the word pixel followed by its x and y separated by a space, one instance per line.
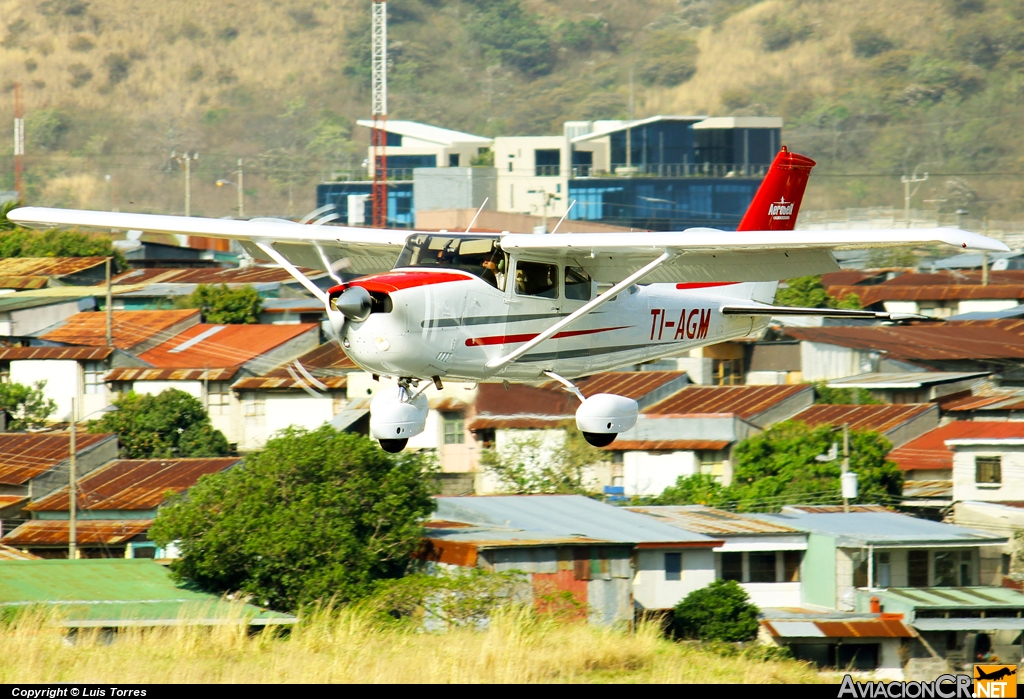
pixel 781 210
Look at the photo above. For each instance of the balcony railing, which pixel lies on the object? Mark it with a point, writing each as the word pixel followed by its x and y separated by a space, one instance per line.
pixel 674 170
pixel 548 170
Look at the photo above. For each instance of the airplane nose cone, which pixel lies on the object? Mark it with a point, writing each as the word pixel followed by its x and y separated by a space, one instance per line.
pixel 354 304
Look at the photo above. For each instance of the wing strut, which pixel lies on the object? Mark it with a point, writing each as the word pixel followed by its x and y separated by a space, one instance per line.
pixel 336 318
pixel 583 310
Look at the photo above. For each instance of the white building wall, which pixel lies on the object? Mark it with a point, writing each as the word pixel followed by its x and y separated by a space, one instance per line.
pixel 652 591
pixel 901 306
pixel 63 379
pixel 153 388
pixel 784 594
pixel 821 362
pixel 645 473
pixel 1012 466
pixel 517 153
pixel 986 305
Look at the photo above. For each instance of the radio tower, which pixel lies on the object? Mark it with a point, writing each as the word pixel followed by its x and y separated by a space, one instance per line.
pixel 379 162
pixel 19 141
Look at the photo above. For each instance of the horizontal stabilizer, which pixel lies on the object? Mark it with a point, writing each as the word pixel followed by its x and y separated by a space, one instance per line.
pixel 764 310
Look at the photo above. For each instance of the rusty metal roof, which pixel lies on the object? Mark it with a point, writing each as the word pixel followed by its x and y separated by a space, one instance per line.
pixel 25 456
pixel 708 520
pixel 130 328
pixel 873 418
pixel 219 346
pixel 328 364
pixel 631 384
pixel 9 553
pixel 54 532
pixel 263 383
pixel 870 295
pixel 994 400
pixel 9 500
pixel 833 509
pixel 965 339
pixel 846 277
pixel 668 445
pixel 35 272
pixel 742 401
pixel 929 451
pixel 904 379
pixel 859 628
pixel 928 490
pixel 133 374
pixel 521 407
pixel 236 275
pixel 77 353
pixel 133 484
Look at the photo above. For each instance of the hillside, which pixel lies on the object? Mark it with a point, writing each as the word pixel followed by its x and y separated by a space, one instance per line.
pixel 871 89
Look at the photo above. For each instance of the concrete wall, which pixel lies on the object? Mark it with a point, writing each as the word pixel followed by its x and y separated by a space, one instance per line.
pixel 63 379
pixel 454 188
pixel 821 362
pixel 1012 487
pixel 517 153
pixel 818 571
pixel 646 473
pixel 30 320
pixel 652 591
pixel 281 410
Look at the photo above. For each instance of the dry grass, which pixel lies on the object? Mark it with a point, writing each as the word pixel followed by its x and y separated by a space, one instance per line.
pixel 350 647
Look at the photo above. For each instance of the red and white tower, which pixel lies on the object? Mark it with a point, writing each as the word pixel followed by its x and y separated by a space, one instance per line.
pixel 379 161
pixel 19 142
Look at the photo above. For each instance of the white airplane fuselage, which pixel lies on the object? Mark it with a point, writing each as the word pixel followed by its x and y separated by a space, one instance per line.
pixel 450 323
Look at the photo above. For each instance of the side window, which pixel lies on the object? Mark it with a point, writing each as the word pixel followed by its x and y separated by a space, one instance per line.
pixel 536 279
pixel 577 284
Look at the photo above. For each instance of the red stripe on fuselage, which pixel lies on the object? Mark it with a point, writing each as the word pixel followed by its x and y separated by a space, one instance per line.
pixel 390 282
pixel 703 285
pixel 526 337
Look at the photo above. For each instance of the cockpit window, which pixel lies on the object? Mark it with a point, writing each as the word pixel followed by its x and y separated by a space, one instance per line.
pixel 476 255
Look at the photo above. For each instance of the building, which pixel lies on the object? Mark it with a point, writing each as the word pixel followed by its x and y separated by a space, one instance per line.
pixel 610 560
pixel 913 386
pixel 113 594
pixel 116 505
pixel 410 145
pixel 941 294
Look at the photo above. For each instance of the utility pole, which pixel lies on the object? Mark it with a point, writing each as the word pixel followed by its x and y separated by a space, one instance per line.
pixel 629 126
pixel 846 465
pixel 72 494
pixel 379 84
pixel 185 160
pixel 241 192
pixel 907 194
pixel 19 142
pixel 109 309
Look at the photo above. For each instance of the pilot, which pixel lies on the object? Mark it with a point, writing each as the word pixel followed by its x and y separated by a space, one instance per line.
pixel 494 270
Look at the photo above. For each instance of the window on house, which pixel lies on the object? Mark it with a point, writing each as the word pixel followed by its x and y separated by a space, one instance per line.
pixel 218 397
pixel 712 463
pixel 453 160
pixel 732 566
pixel 860 570
pixel 966 569
pixel 727 372
pixel 254 408
pixel 762 567
pixel 1004 564
pixel 94 373
pixel 883 569
pixel 454 433
pixel 917 568
pixel 988 469
pixel 946 572
pixel 791 565
pixel 673 566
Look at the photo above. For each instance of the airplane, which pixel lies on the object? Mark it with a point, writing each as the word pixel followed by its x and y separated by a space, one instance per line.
pixel 433 306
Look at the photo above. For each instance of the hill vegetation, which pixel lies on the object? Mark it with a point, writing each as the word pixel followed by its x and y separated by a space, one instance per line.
pixel 872 90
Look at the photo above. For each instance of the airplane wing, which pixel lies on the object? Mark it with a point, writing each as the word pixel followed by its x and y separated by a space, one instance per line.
pixel 709 255
pixel 766 310
pixel 353 250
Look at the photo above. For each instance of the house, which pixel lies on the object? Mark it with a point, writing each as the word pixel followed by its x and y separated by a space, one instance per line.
pixel 71 374
pixel 116 594
pixel 116 505
pixel 941 294
pixel 897 423
pixel 913 386
pixel 693 431
pixel 609 559
pixel 764 557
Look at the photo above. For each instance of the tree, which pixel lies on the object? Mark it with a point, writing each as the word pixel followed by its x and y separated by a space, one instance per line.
pixel 27 407
pixel 722 611
pixel 808 292
pixel 172 424
pixel 698 489
pixel 316 516
pixel 546 461
pixel 225 306
pixel 842 396
pixel 21 242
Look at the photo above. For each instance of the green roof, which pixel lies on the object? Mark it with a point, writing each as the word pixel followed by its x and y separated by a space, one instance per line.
pixel 117 592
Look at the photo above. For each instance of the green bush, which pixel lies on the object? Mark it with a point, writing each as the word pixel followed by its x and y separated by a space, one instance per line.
pixel 869 42
pixel 223 305
pixel 722 611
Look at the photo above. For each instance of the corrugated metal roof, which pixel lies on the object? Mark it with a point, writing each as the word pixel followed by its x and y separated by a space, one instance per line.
pixel 820 509
pixel 117 592
pixel 8 500
pixel 846 277
pixel 708 520
pixel 201 275
pixel 264 383
pixel 668 445
pixel 928 490
pixel 969 339
pixel 970 624
pixel 631 384
pixel 873 418
pixel 133 484
pixel 130 328
pixel 52 295
pixel 521 407
pixel 133 374
pixel 870 295
pixel 742 401
pixel 953 597
pixel 25 456
pixel 220 346
pixel 327 363
pixel 881 528
pixel 35 272
pixel 994 400
pixel 76 353
pixel 55 532
pixel 558 517
pixel 929 451
pixel 9 553
pixel 907 379
pixel 860 628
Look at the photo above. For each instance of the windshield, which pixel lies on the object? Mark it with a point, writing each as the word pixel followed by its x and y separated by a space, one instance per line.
pixel 476 255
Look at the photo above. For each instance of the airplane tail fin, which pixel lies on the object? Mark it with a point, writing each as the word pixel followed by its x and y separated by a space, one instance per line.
pixel 777 202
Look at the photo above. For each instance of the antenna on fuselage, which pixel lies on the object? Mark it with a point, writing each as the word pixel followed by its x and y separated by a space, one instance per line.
pixel 478 211
pixel 571 204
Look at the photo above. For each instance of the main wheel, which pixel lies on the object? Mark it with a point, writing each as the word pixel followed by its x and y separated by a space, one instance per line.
pixel 393 446
pixel 599 439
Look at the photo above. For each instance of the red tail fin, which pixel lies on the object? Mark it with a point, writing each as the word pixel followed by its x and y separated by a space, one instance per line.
pixel 777 201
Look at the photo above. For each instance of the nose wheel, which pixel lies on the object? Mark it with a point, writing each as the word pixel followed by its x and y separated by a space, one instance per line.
pixel 393 446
